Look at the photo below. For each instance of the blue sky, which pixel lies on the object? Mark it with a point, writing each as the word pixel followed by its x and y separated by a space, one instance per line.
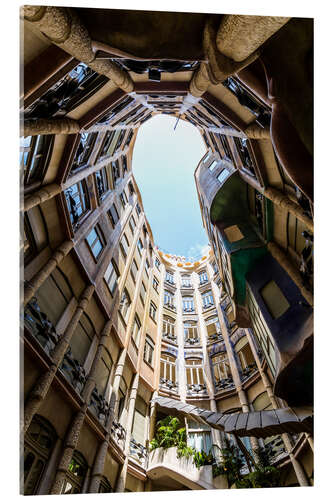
pixel 164 161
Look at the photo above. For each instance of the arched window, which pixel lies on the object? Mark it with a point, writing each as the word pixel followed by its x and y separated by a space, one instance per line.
pixel 124 305
pixel 207 299
pixel 191 333
pixel 104 486
pixel 39 443
pixel 103 372
pixel 84 150
pixel 186 281
pixel 35 236
pixel 78 202
pixel 122 398
pixel 168 370
pixel 75 475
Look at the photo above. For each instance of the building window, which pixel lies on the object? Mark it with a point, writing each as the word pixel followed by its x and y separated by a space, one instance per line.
pixel 274 299
pixel 168 370
pixel 221 367
pixel 124 245
pixel 169 299
pixel 116 175
pixel 155 284
pixel 35 152
pixel 223 175
pixel 212 165
pixel 139 246
pixel 191 333
pixel 81 341
pixel 194 372
pixel 132 224
pixel 111 276
pixel 136 332
pixel 244 353
pixel 188 304
pixel 131 189
pixel 169 277
pixel 103 372
pixel 233 233
pixel 157 264
pixel 244 154
pixel 84 150
pixel 168 328
pixel 143 293
pixel 147 267
pixel 75 475
pixel 123 199
pixel 152 310
pixel 78 202
pixel 203 278
pixel 261 331
pixel 148 355
pixel 207 299
pixel 38 445
pixel 125 166
pixel 122 397
pixel 186 281
pixel 96 241
pixel 134 270
pixel 113 214
pixel 213 329
pixel 124 305
pixel 139 421
pixel 138 209
pixel 199 436
pixel 101 183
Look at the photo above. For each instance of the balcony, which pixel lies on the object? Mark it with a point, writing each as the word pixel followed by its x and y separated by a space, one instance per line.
pixel 188 310
pixel 192 341
pixel 248 371
pixel 169 385
pixel 118 434
pixel 215 337
pixel 196 389
pixel 170 337
pixel 224 384
pixel 165 462
pixel 138 452
pixel 170 306
pixel 38 324
pixel 73 371
pixel 207 306
pixel 99 406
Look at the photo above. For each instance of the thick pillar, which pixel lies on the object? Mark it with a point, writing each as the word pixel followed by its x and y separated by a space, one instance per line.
pixel 51 126
pixel 284 202
pixel 33 285
pixel 239 36
pixel 121 482
pixel 67 454
pixel 43 194
pixel 253 131
pixel 294 274
pixel 64 28
pixel 98 467
pixel 44 382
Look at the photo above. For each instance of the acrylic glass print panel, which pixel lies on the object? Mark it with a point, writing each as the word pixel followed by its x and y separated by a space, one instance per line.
pixel 167 241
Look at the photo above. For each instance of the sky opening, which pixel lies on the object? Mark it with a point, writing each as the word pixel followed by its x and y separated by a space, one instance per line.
pixel 163 163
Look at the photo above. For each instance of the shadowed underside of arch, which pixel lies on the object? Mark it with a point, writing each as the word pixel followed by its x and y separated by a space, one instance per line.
pixel 260 424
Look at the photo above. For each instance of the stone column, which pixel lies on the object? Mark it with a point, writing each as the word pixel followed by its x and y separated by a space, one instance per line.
pixel 67 454
pixel 45 193
pixel 114 400
pixel 51 126
pixel 253 131
pixel 300 474
pixel 63 27
pixel 239 36
pixel 152 417
pixel 294 274
pixel 33 285
pixel 44 382
pixel 121 482
pixel 98 467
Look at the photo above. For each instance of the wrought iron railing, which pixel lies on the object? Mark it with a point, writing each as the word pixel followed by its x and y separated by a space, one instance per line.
pixel 37 322
pixel 99 406
pixel 170 385
pixel 138 452
pixel 194 389
pixel 73 371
